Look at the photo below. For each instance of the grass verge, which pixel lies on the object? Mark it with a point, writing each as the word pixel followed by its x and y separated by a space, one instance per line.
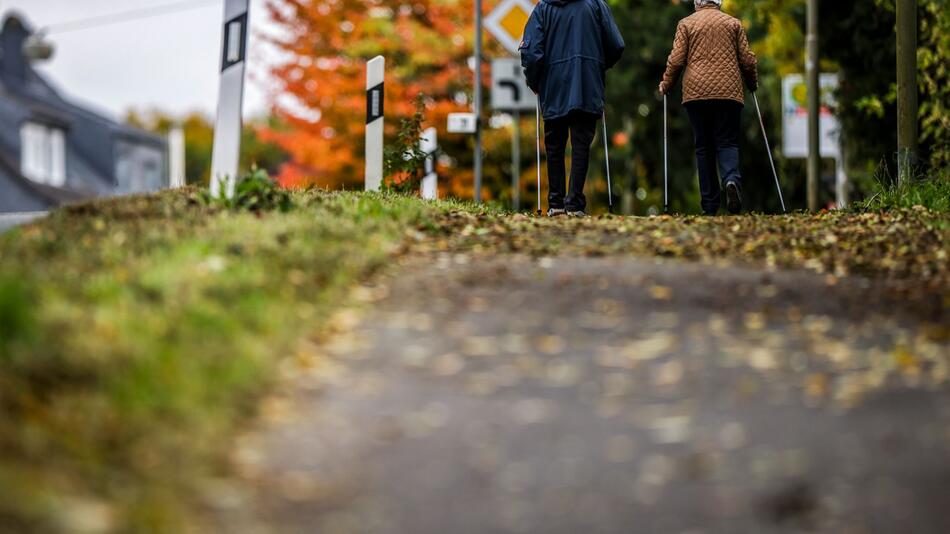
pixel 931 192
pixel 136 333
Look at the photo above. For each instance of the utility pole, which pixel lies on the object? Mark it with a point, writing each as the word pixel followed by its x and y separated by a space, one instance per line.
pixel 906 89
pixel 812 68
pixel 478 100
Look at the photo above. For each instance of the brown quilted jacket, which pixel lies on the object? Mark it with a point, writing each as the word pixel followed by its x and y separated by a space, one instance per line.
pixel 714 50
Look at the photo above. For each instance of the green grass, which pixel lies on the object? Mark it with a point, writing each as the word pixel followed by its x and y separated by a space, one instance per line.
pixel 135 334
pixel 931 192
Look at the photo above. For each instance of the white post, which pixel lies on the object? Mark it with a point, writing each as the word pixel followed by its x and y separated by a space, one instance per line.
pixel 375 111
pixel 226 154
pixel 176 158
pixel 430 183
pixel 841 182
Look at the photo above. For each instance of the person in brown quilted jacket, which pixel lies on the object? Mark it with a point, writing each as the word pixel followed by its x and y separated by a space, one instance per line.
pixel 711 51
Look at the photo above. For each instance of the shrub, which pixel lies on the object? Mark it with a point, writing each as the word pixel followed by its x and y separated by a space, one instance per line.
pixel 256 192
pixel 403 159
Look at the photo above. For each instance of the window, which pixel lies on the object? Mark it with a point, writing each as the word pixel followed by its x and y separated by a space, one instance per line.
pixel 43 156
pixel 139 168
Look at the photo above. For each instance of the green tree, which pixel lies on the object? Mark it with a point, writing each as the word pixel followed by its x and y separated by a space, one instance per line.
pixel 860 39
pixel 934 60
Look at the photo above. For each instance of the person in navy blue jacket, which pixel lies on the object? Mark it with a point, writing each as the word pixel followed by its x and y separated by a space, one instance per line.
pixel 567 49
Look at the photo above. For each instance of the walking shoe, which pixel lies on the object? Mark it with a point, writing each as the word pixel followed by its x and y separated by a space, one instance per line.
pixel 556 212
pixel 733 198
pixel 577 214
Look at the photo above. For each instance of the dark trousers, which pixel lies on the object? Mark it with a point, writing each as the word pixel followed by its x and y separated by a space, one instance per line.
pixel 581 127
pixel 716 133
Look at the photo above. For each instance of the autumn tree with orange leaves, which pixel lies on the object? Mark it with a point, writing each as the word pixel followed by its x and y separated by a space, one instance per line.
pixel 321 85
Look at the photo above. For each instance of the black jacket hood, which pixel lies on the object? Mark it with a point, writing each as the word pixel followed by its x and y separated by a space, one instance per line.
pixel 559 2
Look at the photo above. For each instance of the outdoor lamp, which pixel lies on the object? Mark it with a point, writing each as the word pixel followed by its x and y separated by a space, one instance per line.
pixel 37 48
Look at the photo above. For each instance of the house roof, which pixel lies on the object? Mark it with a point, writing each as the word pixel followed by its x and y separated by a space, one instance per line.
pixel 26 96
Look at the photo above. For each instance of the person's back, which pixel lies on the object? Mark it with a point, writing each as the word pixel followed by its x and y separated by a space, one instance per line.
pixel 714 48
pixel 567 49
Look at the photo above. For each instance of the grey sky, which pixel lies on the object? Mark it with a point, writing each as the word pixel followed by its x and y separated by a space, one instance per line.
pixel 169 62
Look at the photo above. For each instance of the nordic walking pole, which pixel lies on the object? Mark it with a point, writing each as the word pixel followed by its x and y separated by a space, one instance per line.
pixel 666 166
pixel 610 191
pixel 768 148
pixel 538 139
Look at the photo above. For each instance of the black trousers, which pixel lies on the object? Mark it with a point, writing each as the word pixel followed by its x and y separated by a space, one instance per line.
pixel 716 131
pixel 581 127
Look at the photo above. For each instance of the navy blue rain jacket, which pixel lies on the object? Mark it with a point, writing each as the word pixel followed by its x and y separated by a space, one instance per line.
pixel 567 48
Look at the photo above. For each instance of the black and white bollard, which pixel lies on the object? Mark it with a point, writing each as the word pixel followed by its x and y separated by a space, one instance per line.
pixel 375 110
pixel 429 144
pixel 227 130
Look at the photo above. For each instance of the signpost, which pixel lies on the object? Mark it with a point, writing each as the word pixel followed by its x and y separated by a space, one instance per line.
pixel 795 126
pixel 375 111
pixel 811 72
pixel 430 182
pixel 226 153
pixel 510 93
pixel 477 108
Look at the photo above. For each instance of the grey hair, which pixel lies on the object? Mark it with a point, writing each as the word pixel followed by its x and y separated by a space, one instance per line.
pixel 704 3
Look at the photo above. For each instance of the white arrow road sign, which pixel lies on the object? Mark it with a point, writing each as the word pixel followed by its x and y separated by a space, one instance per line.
pixel 509 88
pixel 226 153
pixel 507 21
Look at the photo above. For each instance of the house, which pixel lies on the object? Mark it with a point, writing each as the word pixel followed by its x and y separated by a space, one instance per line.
pixel 53 151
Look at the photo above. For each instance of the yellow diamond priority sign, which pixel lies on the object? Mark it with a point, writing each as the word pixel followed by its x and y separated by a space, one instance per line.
pixel 507 21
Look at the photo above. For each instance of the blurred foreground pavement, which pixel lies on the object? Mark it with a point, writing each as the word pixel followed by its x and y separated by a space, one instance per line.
pixel 611 395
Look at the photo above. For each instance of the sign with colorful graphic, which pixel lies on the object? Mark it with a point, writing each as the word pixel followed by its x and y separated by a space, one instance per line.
pixel 795 117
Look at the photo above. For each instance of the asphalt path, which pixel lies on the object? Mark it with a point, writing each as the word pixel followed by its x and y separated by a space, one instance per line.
pixel 606 395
